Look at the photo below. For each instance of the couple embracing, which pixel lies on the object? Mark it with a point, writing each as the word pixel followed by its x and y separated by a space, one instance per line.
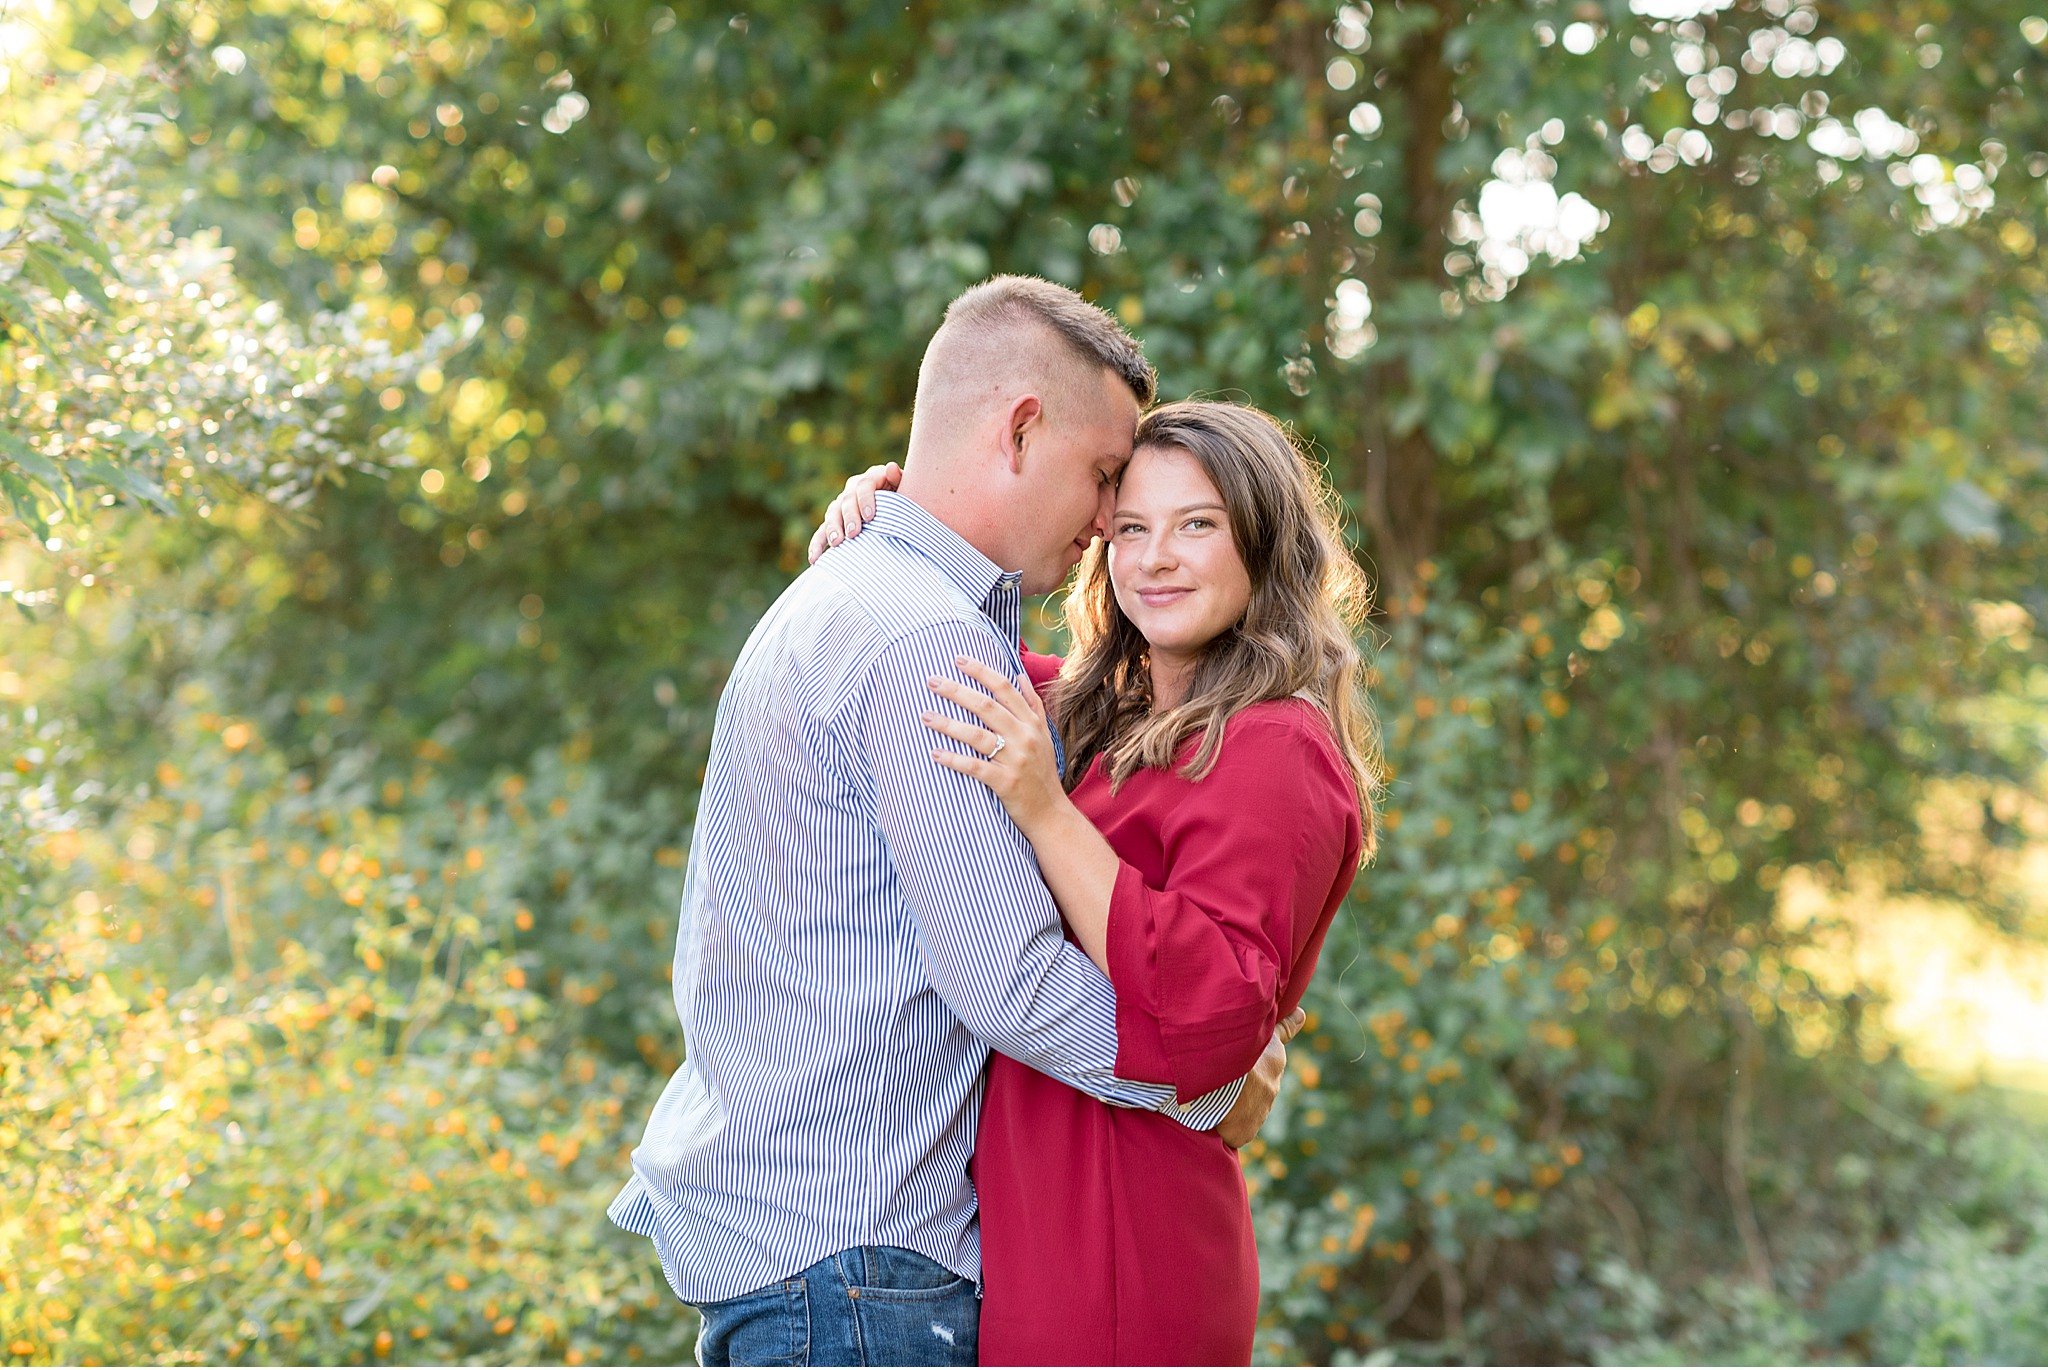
pixel 986 959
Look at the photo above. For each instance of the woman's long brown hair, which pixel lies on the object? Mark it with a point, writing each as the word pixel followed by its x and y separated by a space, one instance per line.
pixel 1297 635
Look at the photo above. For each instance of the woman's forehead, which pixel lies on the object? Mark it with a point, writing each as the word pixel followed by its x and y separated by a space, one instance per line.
pixel 1167 476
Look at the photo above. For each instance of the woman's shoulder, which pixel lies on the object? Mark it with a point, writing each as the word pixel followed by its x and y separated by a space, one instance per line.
pixel 1285 742
pixel 1273 746
pixel 1288 723
pixel 1279 760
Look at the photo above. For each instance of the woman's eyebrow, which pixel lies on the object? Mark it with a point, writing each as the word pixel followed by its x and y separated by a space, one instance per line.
pixel 1184 509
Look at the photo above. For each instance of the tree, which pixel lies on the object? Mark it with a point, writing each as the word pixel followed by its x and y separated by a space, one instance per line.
pixel 1674 361
pixel 139 368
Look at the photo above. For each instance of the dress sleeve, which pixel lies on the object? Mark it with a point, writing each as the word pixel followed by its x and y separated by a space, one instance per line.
pixel 1255 852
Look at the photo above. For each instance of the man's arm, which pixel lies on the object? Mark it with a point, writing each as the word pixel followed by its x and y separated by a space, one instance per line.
pixel 986 926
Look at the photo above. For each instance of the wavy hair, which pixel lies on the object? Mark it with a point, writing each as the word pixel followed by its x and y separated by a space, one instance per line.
pixel 1297 635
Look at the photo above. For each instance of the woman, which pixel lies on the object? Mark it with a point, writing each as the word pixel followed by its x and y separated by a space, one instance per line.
pixel 1215 807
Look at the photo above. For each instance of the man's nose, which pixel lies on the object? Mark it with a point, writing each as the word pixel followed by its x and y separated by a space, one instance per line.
pixel 1105 505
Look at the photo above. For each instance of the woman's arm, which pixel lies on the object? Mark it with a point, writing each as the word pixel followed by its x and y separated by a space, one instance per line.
pixel 1255 855
pixel 1079 866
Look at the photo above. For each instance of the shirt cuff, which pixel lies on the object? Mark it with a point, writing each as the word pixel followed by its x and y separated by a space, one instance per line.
pixel 1206 1112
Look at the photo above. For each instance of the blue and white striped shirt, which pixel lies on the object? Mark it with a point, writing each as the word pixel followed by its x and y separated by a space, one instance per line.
pixel 859 926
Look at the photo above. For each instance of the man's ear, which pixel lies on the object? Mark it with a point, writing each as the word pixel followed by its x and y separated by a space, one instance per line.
pixel 1021 417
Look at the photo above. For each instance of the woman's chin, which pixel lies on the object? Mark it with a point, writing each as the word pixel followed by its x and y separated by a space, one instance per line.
pixel 1174 639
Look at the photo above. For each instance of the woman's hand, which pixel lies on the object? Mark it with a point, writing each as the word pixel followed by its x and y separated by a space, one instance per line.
pixel 1014 744
pixel 855 506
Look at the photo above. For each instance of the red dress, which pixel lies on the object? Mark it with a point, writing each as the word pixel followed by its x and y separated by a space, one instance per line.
pixel 1111 1236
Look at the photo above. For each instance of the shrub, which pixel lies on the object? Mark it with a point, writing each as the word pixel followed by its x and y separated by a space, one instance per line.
pixel 372 1137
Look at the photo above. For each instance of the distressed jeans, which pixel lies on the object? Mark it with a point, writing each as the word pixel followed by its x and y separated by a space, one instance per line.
pixel 867 1305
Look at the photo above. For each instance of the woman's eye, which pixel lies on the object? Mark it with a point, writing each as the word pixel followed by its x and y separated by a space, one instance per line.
pixel 1123 528
pixel 1198 523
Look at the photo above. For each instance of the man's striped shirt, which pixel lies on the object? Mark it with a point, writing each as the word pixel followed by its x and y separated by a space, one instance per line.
pixel 859 926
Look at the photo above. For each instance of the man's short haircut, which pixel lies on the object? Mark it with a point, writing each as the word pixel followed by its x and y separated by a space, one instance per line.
pixel 1089 333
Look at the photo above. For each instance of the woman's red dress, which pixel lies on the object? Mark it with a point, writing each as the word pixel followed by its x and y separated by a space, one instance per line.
pixel 1112 1236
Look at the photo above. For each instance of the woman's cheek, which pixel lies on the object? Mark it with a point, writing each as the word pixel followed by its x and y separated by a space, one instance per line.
pixel 1230 577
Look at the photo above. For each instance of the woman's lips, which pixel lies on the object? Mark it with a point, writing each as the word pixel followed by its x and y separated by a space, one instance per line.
pixel 1159 599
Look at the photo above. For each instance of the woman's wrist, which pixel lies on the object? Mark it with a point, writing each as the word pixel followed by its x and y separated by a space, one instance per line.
pixel 1042 819
pixel 1080 868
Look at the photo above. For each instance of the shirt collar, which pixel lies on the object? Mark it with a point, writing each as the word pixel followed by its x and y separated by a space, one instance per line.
pixel 987 586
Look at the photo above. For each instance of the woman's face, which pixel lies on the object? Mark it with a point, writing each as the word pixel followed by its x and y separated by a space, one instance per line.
pixel 1172 559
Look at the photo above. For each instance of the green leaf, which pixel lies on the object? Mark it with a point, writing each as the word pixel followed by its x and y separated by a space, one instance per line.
pixel 15 449
pixel 80 235
pixel 86 284
pixel 22 497
pixel 129 481
pixel 52 272
pixel 17 312
pixel 46 269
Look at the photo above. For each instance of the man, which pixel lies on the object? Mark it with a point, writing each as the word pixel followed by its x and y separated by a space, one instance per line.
pixel 860 924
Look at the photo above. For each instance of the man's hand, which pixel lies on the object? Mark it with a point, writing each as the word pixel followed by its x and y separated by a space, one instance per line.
pixel 1262 1086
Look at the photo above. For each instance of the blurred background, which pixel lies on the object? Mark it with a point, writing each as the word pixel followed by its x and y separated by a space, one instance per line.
pixel 410 404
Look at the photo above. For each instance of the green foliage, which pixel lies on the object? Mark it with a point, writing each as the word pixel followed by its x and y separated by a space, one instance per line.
pixel 137 367
pixel 368 1136
pixel 1970 1285
pixel 1707 509
pixel 1960 1284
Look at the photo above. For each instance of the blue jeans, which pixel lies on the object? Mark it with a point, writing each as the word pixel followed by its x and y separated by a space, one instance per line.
pixel 867 1305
